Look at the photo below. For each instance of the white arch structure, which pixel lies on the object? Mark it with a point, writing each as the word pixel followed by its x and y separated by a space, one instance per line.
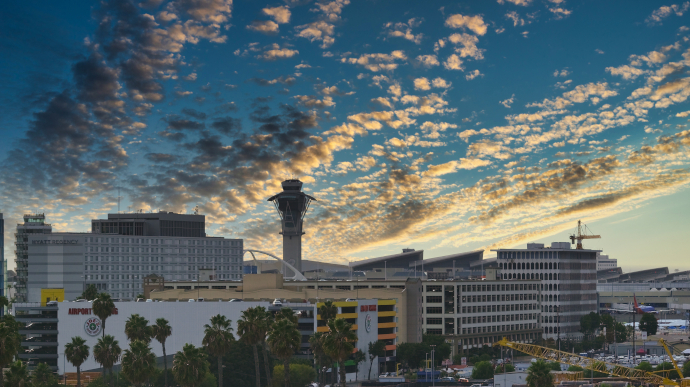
pixel 297 277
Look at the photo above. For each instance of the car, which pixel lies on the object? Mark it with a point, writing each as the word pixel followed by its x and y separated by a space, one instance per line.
pixel 200 300
pixel 149 300
pixel 447 379
pixel 235 300
pixel 476 385
pixel 51 303
pixel 277 302
pixel 191 300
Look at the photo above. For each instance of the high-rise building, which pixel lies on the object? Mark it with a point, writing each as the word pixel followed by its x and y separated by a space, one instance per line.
pixel 123 249
pixel 3 264
pixel 606 263
pixel 34 224
pixel 568 283
pixel 292 205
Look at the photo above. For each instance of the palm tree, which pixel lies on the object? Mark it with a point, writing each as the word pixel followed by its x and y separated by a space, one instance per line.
pixel 252 328
pixel 18 375
pixel 539 375
pixel 284 339
pixel 107 352
pixel 138 362
pixel 137 328
pixel 161 331
pixel 43 376
pixel 103 307
pixel 328 311
pixel 287 313
pixel 217 339
pixel 190 367
pixel 339 343
pixel 316 345
pixel 76 353
pixel 10 342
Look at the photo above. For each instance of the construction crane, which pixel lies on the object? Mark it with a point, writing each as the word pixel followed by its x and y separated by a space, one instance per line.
pixel 670 356
pixel 581 234
pixel 587 363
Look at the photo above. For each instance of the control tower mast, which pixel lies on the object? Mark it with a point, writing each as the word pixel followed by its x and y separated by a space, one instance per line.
pixel 292 205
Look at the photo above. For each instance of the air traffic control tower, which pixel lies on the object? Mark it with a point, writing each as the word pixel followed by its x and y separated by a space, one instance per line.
pixel 292 205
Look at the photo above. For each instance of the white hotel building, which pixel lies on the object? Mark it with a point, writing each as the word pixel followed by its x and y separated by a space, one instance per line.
pixel 116 259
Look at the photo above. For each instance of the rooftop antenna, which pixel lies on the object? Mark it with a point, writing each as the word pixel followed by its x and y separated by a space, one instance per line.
pixel 118 199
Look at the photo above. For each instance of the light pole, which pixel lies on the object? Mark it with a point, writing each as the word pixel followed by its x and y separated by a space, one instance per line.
pixel 426 367
pixel 433 366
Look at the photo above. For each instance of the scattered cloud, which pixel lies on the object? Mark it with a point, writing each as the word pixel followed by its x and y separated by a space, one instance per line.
pixel 665 11
pixel 472 23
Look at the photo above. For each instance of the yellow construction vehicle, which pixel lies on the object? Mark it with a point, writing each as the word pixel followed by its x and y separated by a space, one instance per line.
pixel 588 363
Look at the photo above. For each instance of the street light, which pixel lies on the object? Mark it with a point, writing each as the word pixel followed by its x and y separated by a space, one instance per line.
pixel 433 366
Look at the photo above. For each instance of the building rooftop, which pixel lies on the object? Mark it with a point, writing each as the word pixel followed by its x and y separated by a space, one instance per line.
pixel 398 260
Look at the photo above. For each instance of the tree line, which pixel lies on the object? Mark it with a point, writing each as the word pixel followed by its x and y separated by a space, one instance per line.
pixel 276 334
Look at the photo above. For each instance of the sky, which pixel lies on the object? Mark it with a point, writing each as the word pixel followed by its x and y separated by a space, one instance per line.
pixel 443 126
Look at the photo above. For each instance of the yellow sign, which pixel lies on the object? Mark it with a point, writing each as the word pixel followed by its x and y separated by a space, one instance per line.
pixel 52 295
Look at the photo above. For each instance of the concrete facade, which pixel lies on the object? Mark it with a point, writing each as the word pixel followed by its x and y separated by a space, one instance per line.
pixel 568 283
pixel 33 224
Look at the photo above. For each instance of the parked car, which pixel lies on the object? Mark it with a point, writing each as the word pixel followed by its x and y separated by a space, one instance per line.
pixel 447 379
pixel 191 300
pixel 277 302
pixel 235 300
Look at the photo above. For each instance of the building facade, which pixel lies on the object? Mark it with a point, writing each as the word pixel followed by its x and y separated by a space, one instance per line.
pixel 34 224
pixel 606 263
pixel 568 283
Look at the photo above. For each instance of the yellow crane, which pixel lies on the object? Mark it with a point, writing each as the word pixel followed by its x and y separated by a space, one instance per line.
pixel 581 234
pixel 670 356
pixel 587 363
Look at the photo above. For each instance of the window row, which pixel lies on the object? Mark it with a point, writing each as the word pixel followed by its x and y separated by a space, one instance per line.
pixel 155 241
pixel 497 308
pixel 93 258
pixel 498 298
pixel 505 317
pixel 155 267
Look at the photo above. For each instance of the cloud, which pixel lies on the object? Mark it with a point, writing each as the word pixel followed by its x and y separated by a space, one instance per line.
pixel 562 73
pixel 508 102
pixel 469 45
pixel 453 63
pixel 523 3
pixel 422 84
pixel 317 31
pixel 441 83
pixel 428 61
pixel 591 91
pixel 665 11
pixel 473 74
pixel 515 17
pixel 288 81
pixel 265 27
pixel 454 166
pixel 404 30
pixel 378 62
pixel 281 15
pixel 627 72
pixel 275 52
pixel 311 101
pixel 472 23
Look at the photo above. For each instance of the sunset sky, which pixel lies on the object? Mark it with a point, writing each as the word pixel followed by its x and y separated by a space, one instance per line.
pixel 443 126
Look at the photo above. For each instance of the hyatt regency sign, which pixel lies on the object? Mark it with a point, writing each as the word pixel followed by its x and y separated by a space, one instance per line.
pixel 55 242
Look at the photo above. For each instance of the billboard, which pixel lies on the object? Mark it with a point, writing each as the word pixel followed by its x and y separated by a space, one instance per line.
pixel 52 295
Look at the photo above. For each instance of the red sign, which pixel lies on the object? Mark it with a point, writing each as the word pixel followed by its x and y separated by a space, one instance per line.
pixel 367 308
pixel 84 311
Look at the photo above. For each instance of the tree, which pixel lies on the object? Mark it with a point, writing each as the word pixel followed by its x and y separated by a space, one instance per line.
pixel 316 344
pixel 18 375
pixel 90 293
pixel 252 328
pixel 621 332
pixel 76 353
pixel 376 349
pixel 10 342
pixel 339 343
pixel 442 349
pixel 358 357
pixel 161 331
pixel 509 368
pixel 300 375
pixel 137 328
pixel 649 324
pixel 190 367
pixel 107 352
pixel 217 339
pixel 610 324
pixel 555 366
pixel 103 307
pixel 328 311
pixel 667 366
pixel 686 369
pixel 43 376
pixel 411 354
pixel 645 366
pixel 539 375
pixel 575 369
pixel 138 362
pixel 284 339
pixel 287 313
pixel 483 370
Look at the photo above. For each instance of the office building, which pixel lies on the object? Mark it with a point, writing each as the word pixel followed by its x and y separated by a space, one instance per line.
pixel 606 263
pixel 568 283
pixel 123 249
pixel 34 225
pixel 3 264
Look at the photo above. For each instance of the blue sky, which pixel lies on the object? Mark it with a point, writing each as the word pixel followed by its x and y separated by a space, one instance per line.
pixel 460 126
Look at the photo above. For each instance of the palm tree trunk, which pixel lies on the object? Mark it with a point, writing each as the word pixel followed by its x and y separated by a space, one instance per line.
pixel 165 364
pixel 78 376
pixel 257 368
pixel 341 370
pixel 220 371
pixel 286 366
pixel 371 365
pixel 267 365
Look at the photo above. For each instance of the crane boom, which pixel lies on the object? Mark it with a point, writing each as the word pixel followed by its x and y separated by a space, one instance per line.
pixel 587 363
pixel 581 234
pixel 670 355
